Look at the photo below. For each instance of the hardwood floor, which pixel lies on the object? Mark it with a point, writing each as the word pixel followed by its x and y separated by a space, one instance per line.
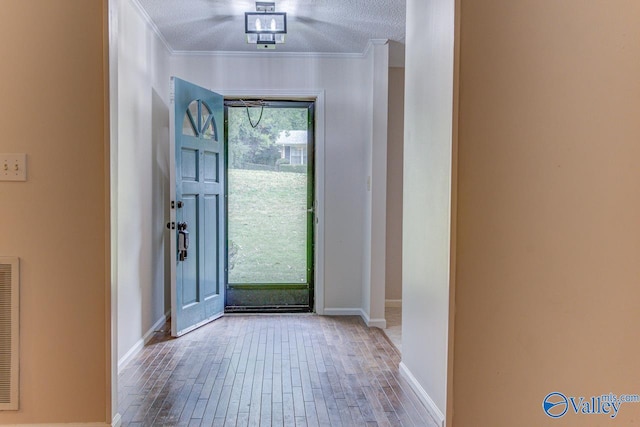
pixel 270 370
pixel 393 331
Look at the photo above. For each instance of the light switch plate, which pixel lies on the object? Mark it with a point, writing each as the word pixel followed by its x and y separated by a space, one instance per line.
pixel 13 167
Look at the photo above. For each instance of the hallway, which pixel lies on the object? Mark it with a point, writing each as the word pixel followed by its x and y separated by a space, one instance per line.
pixel 280 370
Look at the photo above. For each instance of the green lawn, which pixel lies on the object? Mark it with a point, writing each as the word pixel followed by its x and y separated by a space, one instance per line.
pixel 267 227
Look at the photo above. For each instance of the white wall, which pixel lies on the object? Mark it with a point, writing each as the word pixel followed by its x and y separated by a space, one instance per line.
pixel 347 129
pixel 366 221
pixel 373 292
pixel 143 146
pixel 427 195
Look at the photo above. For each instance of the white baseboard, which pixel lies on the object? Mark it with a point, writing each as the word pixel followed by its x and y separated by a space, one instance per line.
pixel 372 323
pixel 377 323
pixel 347 312
pixel 142 341
pixel 342 312
pixel 393 303
pixel 424 397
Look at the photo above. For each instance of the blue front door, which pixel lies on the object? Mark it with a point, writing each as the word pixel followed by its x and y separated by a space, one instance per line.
pixel 197 206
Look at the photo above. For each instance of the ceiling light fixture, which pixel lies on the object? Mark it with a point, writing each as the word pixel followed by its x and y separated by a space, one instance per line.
pixel 265 27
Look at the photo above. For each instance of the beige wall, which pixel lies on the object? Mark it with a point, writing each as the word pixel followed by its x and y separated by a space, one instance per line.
pixel 52 108
pixel 395 145
pixel 549 209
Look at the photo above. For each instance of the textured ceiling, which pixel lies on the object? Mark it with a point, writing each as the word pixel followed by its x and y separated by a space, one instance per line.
pixel 328 26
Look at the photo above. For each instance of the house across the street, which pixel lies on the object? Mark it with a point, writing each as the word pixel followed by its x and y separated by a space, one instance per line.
pixel 293 146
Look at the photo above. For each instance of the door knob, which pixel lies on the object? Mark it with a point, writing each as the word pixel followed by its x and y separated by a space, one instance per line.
pixel 183 241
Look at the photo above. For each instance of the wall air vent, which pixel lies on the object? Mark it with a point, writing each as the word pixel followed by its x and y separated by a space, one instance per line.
pixel 9 330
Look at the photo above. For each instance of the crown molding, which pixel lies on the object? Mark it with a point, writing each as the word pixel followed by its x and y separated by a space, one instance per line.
pixel 145 16
pixel 259 54
pixel 374 42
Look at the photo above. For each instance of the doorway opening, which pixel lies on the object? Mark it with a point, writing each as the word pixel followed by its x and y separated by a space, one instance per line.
pixel 270 205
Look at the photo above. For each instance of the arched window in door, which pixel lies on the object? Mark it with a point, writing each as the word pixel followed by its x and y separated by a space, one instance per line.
pixel 199 121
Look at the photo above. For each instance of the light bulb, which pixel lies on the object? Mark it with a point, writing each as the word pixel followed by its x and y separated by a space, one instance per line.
pixel 273 24
pixel 258 24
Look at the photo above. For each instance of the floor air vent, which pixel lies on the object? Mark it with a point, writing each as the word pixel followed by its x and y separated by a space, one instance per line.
pixel 9 315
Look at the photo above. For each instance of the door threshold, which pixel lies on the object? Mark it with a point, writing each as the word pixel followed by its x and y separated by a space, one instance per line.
pixel 271 313
pixel 235 309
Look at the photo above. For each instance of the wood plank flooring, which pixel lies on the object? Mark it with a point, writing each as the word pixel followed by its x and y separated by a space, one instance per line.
pixel 271 370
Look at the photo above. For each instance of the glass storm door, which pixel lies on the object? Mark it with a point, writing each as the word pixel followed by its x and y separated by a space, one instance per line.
pixel 197 206
pixel 270 216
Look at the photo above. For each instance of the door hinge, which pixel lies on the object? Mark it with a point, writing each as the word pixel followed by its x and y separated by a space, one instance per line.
pixel 171 225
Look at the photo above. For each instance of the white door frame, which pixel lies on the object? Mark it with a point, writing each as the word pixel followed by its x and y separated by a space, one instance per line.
pixel 111 311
